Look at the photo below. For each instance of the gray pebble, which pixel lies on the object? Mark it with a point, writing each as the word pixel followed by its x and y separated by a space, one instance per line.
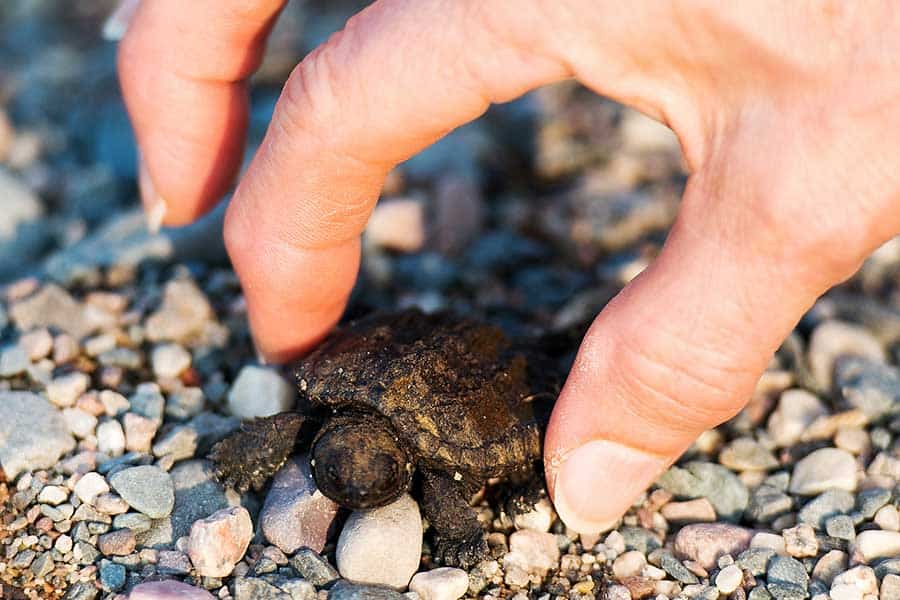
pixel 197 495
pixel 147 489
pixel 82 590
pixel 840 526
pixel 148 401
pixel 640 539
pixel 755 560
pixel 13 361
pixel 179 442
pixel 786 570
pixel 42 565
pixel 759 593
pixel 787 591
pixel 313 567
pixel 726 492
pixel 676 569
pixel 253 588
pixel 136 522
pixel 870 386
pixel 825 505
pixel 343 590
pixel 33 433
pixel 869 501
pixel 112 576
pixel 85 553
pixel 768 503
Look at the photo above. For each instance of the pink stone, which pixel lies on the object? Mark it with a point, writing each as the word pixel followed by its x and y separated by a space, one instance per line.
pixel 706 542
pixel 168 590
pixel 218 542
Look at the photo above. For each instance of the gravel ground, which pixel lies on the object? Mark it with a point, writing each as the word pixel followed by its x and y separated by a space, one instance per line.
pixel 125 355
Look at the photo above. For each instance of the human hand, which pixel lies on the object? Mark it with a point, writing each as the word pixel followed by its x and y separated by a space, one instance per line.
pixel 785 114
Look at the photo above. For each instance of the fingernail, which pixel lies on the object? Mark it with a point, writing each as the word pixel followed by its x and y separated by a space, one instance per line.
pixel 116 24
pixel 596 483
pixel 154 206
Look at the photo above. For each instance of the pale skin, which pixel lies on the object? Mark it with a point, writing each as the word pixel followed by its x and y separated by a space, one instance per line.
pixel 787 114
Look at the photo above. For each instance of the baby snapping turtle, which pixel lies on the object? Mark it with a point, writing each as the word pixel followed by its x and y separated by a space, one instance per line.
pixel 402 401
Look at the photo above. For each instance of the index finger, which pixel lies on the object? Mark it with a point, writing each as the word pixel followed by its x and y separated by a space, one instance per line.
pixel 398 77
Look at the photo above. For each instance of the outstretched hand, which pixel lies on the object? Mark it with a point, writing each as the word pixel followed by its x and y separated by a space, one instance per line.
pixel 787 115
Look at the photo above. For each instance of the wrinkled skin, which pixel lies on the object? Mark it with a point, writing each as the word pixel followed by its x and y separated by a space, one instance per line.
pixel 402 394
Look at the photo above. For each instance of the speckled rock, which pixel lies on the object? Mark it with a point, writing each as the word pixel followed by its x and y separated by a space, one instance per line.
pixel 706 542
pixel 168 590
pixel 833 339
pixel 33 434
pixel 728 494
pixel 295 513
pixel 147 489
pixel 824 469
pixel 382 546
pixel 219 541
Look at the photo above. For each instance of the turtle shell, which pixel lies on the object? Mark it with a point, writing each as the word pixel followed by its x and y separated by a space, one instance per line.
pixel 458 393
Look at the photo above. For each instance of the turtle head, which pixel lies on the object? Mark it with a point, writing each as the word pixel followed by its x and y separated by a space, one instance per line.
pixel 358 462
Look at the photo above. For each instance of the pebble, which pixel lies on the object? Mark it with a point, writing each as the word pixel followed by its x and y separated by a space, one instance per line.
pixel 397 224
pixel 676 569
pixel 148 402
pixel 120 542
pixel 52 306
pixel 170 360
pixel 872 544
pixel 746 454
pixel 173 561
pixel 817 511
pixel 755 559
pixel 219 541
pixel 295 513
pixel 33 434
pixel 797 409
pixel 729 579
pixel 112 576
pixel 841 527
pixel 445 583
pixel 53 494
pixel 259 392
pixel 139 432
pixel 146 488
pixel 179 443
pixel 136 522
pixel 540 518
pixel 689 511
pixel 13 361
pixel 183 316
pixel 890 587
pixel 113 402
pixel 786 570
pixel 111 438
pixel 706 542
pixel 629 564
pixel 384 545
pixel 869 386
pixel 845 592
pixel 110 504
pixel 829 566
pixel 90 486
pixel 888 518
pixel 833 339
pixel 727 493
pixel 197 495
pixel 344 590
pixel 800 541
pixel 64 390
pixel 312 567
pixel 534 552
pixel 37 344
pixel 854 440
pixel 168 590
pixel 824 469
pixel 79 422
pixel 861 577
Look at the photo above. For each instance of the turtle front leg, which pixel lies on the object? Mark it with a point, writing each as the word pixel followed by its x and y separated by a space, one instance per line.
pixel 459 538
pixel 524 489
pixel 250 456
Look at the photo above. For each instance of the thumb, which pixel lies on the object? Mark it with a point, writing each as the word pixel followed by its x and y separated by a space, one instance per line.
pixel 681 348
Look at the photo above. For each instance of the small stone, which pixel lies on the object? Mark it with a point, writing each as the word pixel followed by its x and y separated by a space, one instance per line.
pixel 219 541
pixel 872 544
pixel 63 544
pixel 179 443
pixel 147 489
pixel 618 592
pixel 254 588
pixel 64 390
pixel 37 344
pixel 796 410
pixel 861 577
pixel 79 422
pixel 786 570
pixel 746 454
pixel 800 541
pixel 139 432
pixel 721 487
pixel 845 592
pixel 706 542
pixel 110 504
pixel 870 386
pixel 833 339
pixel 689 511
pixel 259 392
pixel 53 494
pixel 540 518
pixel 824 469
pixel 767 503
pixel 888 518
pixel 825 428
pixel 829 566
pixel 729 579
pixel 113 402
pixel 120 542
pixel 170 361
pixel 828 504
pixel 185 403
pixel 85 553
pixel 535 552
pixel 382 546
pixel 90 486
pixel 445 583
pixel 890 587
pixel 629 564
pixel 344 590
pixel 168 590
pixel 676 569
pixel 52 306
pixel 397 224
pixel 111 438
pixel 33 434
pixel 148 402
pixel 295 513
pixel 112 576
pixel 841 527
pixel 136 522
pixel 13 361
pixel 183 316
pixel 755 560
pixel 854 440
pixel 312 567
pixel 174 562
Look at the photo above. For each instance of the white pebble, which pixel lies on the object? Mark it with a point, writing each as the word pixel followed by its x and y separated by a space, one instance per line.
pixel 111 438
pixel 53 494
pixel 629 564
pixel 445 583
pixel 872 544
pixel 64 390
pixel 729 579
pixel 846 591
pixel 539 518
pixel 80 423
pixel 824 469
pixel 888 518
pixel 90 486
pixel 397 224
pixel 219 541
pixel 259 392
pixel 796 410
pixel 170 360
pixel 833 339
pixel 37 344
